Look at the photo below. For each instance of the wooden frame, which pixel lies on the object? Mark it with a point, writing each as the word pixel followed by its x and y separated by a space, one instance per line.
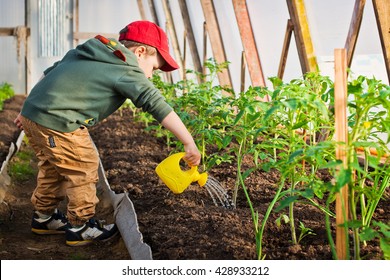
pixel 302 36
pixel 171 30
pixel 354 28
pixel 190 36
pixel 249 43
pixel 382 14
pixel 286 46
pixel 216 40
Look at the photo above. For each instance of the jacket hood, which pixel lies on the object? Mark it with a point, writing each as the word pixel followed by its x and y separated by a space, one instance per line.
pixel 106 50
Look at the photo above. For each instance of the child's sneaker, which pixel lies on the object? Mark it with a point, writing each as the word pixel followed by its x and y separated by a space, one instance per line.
pixel 57 223
pixel 91 231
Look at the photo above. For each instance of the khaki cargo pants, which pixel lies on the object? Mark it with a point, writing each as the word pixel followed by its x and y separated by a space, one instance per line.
pixel 68 167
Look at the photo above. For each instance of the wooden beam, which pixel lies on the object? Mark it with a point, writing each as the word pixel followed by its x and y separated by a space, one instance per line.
pixel 171 30
pixel 184 52
pixel 354 28
pixel 204 49
pixel 141 9
pixel 302 36
pixel 7 31
pixel 286 46
pixel 76 22
pixel 167 76
pixel 27 64
pixel 190 36
pixel 152 8
pixel 22 33
pixel 382 14
pixel 341 136
pixel 249 43
pixel 12 31
pixel 215 36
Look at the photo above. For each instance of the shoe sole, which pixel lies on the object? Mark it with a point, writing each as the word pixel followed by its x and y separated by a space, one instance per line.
pixel 88 242
pixel 79 243
pixel 47 231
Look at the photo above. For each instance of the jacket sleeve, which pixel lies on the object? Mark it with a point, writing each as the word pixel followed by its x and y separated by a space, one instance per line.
pixel 135 86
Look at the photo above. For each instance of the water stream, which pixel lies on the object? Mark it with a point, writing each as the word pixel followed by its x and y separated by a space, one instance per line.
pixel 218 194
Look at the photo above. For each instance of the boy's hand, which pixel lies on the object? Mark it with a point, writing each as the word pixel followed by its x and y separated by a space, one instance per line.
pixel 18 122
pixel 192 156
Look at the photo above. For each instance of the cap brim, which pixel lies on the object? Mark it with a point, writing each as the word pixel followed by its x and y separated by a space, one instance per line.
pixel 170 63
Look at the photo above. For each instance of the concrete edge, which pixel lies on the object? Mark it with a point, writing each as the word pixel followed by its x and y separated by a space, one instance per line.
pixel 5 179
pixel 13 149
pixel 126 220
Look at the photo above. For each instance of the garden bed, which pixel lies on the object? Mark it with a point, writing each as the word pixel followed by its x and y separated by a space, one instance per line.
pixel 185 226
pixel 189 225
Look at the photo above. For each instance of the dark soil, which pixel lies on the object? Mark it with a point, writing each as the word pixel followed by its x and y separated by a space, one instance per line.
pixel 184 226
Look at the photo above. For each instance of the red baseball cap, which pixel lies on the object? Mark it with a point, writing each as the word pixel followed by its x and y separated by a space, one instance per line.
pixel 148 33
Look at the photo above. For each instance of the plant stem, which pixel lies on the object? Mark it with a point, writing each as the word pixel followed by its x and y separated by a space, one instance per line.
pixel 329 233
pixel 291 216
pixel 267 214
pixel 255 216
pixel 239 162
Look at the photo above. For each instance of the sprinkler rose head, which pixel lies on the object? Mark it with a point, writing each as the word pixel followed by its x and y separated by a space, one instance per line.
pixel 202 179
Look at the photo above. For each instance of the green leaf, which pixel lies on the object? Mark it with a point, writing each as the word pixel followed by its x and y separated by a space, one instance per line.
pixel 291 103
pixel 286 202
pixel 385 246
pixel 271 111
pixel 239 116
pixel 295 154
pixel 282 218
pixel 332 164
pixel 248 172
pixel 300 124
pixel 343 178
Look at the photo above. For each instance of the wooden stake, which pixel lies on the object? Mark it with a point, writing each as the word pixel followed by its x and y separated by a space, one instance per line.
pixel 341 136
pixel 243 67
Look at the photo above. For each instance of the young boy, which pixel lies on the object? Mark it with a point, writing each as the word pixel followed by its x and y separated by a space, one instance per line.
pixel 87 85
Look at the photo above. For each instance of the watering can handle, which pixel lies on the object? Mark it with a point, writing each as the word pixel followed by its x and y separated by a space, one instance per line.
pixel 175 178
pixel 180 157
pixel 201 178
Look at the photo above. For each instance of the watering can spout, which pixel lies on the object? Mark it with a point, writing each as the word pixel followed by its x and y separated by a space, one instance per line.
pixel 202 179
pixel 176 179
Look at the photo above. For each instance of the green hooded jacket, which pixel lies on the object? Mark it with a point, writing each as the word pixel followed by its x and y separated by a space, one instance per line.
pixel 90 83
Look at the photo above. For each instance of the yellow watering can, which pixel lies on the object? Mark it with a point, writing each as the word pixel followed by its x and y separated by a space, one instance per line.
pixel 175 178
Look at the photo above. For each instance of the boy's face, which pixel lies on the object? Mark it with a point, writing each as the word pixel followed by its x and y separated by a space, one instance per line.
pixel 148 63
